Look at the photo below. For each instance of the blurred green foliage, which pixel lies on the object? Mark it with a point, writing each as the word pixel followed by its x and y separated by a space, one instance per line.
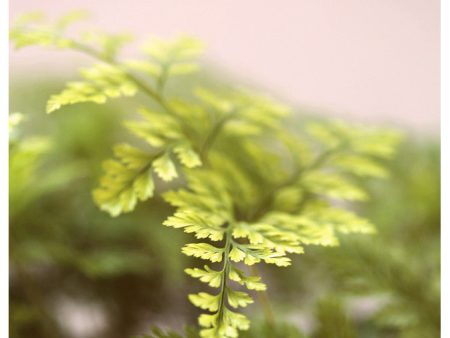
pixel 333 321
pixel 390 282
pixel 67 248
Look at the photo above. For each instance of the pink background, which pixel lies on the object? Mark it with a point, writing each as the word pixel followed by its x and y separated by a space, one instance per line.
pixel 372 60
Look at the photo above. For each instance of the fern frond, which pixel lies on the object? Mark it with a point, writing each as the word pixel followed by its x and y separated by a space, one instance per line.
pixel 208 275
pixel 101 82
pixel 262 192
pixel 31 29
pixel 270 235
pixel 127 179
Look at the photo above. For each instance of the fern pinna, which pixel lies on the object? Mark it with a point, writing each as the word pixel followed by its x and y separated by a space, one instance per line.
pixel 251 188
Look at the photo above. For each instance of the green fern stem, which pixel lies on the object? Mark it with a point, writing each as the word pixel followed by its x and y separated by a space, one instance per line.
pixel 267 200
pixel 163 78
pixel 225 273
pixel 264 300
pixel 213 134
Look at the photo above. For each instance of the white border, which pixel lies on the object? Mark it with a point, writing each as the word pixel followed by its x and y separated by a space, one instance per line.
pixel 445 166
pixel 4 221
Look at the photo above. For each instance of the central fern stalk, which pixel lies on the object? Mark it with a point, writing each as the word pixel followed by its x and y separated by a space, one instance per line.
pixel 225 273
